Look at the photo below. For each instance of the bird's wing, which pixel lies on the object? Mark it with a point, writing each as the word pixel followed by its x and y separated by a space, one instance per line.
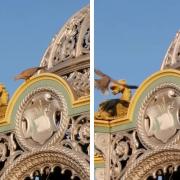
pixel 101 74
pixel 103 83
pixel 26 73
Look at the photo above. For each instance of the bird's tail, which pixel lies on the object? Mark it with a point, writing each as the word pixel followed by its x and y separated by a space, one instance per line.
pixel 17 77
pixel 132 86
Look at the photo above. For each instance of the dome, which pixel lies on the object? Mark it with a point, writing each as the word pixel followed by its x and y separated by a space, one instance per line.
pixel 68 54
pixel 172 57
pixel 72 41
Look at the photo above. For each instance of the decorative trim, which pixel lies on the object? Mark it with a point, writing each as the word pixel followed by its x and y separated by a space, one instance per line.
pixel 150 162
pixel 110 123
pixel 35 160
pixel 99 161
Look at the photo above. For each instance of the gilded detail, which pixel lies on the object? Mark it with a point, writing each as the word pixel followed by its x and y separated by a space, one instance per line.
pixel 114 108
pixel 4 97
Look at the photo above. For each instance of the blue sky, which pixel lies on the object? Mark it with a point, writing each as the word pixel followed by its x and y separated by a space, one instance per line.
pixel 26 29
pixel 132 37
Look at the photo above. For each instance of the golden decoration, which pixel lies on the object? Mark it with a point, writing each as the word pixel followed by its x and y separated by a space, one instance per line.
pixel 4 97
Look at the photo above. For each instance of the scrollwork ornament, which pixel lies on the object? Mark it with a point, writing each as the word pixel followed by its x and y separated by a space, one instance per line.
pixel 158 120
pixel 41 119
pixel 78 135
pixel 124 150
pixel 9 150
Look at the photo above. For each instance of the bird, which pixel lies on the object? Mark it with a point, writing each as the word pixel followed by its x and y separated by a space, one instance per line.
pixel 26 74
pixel 104 82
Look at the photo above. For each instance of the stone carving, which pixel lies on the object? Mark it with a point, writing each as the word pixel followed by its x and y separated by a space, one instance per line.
pixel 158 122
pixel 125 149
pixel 48 137
pixel 102 142
pixel 67 45
pixel 172 57
pixel 79 81
pixel 4 98
pixel 9 150
pixel 99 174
pixel 77 136
pixel 166 172
pixel 72 41
pixel 45 137
pixel 149 163
pixel 41 118
pixel 57 172
pixel 49 158
pixel 86 41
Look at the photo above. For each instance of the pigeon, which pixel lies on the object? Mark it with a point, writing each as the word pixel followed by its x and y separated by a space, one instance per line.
pixel 26 74
pixel 103 83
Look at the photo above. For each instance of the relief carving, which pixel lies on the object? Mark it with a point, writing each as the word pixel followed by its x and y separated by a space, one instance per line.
pixel 159 122
pixel 4 98
pixel 41 118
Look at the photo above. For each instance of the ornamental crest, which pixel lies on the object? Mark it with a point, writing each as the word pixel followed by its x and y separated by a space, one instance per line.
pixel 158 120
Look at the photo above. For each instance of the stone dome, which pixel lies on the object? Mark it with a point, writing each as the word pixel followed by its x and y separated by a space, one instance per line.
pixel 70 43
pixel 172 57
pixel 68 54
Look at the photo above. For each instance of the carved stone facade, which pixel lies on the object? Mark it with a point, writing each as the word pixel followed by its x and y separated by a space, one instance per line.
pixel 145 145
pixel 172 57
pixel 45 133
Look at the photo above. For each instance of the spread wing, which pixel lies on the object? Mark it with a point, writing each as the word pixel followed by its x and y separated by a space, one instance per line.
pixel 100 73
pixel 103 83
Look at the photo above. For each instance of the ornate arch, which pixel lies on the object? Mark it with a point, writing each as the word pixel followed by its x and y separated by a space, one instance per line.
pixel 65 158
pixel 152 161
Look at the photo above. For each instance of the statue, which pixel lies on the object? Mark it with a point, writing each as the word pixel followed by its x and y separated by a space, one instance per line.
pixel 4 97
pixel 113 108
